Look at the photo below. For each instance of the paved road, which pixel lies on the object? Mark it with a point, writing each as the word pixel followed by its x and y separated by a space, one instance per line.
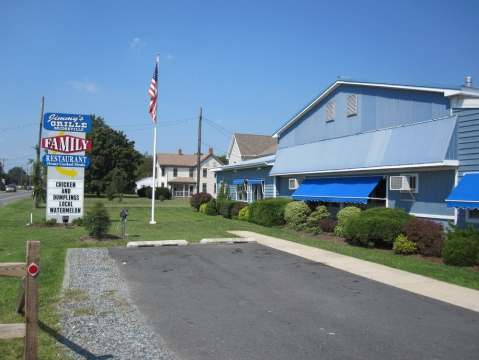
pixel 8 197
pixel 252 302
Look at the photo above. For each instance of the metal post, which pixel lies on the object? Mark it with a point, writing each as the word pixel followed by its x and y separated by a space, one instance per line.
pixel 198 155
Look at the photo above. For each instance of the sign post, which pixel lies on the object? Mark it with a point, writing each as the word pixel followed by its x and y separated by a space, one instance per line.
pixel 66 144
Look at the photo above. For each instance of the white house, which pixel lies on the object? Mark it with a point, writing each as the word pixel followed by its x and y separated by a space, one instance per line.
pixel 177 171
pixel 249 146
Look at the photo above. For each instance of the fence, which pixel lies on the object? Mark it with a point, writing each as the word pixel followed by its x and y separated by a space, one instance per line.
pixel 27 302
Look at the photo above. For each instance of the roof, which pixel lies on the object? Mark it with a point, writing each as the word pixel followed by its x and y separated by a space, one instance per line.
pixel 260 161
pixel 252 145
pixel 413 145
pixel 447 91
pixel 186 160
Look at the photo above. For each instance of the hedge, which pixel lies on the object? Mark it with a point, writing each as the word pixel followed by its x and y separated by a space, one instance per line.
pixel 224 208
pixel 210 208
pixel 295 214
pixel 236 208
pixel 461 247
pixel 160 192
pixel 376 226
pixel 200 198
pixel 428 236
pixel 344 215
pixel 313 221
pixel 268 212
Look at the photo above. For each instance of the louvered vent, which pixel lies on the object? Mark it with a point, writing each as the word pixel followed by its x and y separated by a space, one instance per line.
pixel 330 110
pixel 352 105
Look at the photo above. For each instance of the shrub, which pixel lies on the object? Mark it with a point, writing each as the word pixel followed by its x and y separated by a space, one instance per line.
pixel 461 247
pixel 110 192
pixel 78 222
pixel 97 221
pixel 376 226
pixel 51 222
pixel 203 208
pixel 327 224
pixel 211 208
pixel 162 192
pixel 402 245
pixel 141 192
pixel 268 212
pixel 313 221
pixel 236 208
pixel 343 216
pixel 296 213
pixel 427 234
pixel 225 208
pixel 200 198
pixel 244 214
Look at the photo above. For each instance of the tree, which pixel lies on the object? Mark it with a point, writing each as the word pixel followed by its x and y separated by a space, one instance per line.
pixel 117 181
pixel 17 175
pixel 145 168
pixel 223 159
pixel 111 149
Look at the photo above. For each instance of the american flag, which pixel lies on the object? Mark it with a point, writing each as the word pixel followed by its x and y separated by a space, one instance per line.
pixel 153 92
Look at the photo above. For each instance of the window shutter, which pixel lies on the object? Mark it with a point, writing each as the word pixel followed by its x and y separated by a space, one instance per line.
pixel 352 105
pixel 330 110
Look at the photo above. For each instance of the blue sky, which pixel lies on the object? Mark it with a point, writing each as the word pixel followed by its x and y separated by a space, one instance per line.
pixel 250 64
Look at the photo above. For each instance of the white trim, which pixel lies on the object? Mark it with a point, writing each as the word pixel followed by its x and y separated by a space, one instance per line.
pixel 337 83
pixel 468 201
pixel 469 219
pixel 433 216
pixel 445 163
pixel 456 181
pixel 387 191
pixel 274 186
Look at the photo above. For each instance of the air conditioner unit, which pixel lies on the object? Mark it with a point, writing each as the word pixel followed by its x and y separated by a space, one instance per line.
pixel 399 183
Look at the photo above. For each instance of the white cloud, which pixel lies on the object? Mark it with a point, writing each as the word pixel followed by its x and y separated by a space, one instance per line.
pixel 83 86
pixel 137 43
pixel 169 56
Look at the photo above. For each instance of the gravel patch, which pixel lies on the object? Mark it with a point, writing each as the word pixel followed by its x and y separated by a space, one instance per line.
pixel 99 321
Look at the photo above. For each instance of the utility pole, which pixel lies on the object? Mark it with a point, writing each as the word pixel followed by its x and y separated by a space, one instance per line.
pixel 37 170
pixel 198 155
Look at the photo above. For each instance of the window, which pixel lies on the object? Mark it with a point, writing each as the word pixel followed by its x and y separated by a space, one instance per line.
pixel 352 105
pixel 162 184
pixel 242 192
pixel 411 183
pixel 472 215
pixel 214 188
pixel 162 171
pixel 205 172
pixel 330 111
pixel 175 172
pixel 204 187
pixel 292 184
pixel 191 172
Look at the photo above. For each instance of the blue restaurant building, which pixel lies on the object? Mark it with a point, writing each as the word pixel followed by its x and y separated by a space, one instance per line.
pixel 378 144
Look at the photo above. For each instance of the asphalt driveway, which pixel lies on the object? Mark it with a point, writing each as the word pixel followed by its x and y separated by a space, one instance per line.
pixel 252 302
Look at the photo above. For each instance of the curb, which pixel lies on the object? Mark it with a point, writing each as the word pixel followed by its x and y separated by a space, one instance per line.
pixel 157 243
pixel 238 240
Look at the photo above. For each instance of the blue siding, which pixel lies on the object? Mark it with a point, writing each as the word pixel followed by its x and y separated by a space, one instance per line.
pixel 467 140
pixel 377 108
pixel 434 188
pixel 227 177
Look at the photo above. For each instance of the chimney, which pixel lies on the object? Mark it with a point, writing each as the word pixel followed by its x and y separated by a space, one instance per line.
pixel 210 151
pixel 180 152
pixel 468 81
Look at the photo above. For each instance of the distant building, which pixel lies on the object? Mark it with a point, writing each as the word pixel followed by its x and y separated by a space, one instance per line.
pixel 249 146
pixel 250 159
pixel 177 172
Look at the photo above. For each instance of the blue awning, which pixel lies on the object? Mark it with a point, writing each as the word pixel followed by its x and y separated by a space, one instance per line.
pixel 238 181
pixel 345 189
pixel 466 194
pixel 255 181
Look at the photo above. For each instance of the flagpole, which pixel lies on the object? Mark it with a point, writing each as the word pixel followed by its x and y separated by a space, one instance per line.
pixel 152 221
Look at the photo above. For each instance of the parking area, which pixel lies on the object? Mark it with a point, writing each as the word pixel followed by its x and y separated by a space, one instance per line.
pixel 252 302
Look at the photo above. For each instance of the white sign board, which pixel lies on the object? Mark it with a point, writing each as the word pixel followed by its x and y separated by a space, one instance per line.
pixel 65 197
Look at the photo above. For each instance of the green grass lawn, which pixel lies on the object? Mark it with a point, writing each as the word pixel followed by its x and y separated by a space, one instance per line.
pixel 175 220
